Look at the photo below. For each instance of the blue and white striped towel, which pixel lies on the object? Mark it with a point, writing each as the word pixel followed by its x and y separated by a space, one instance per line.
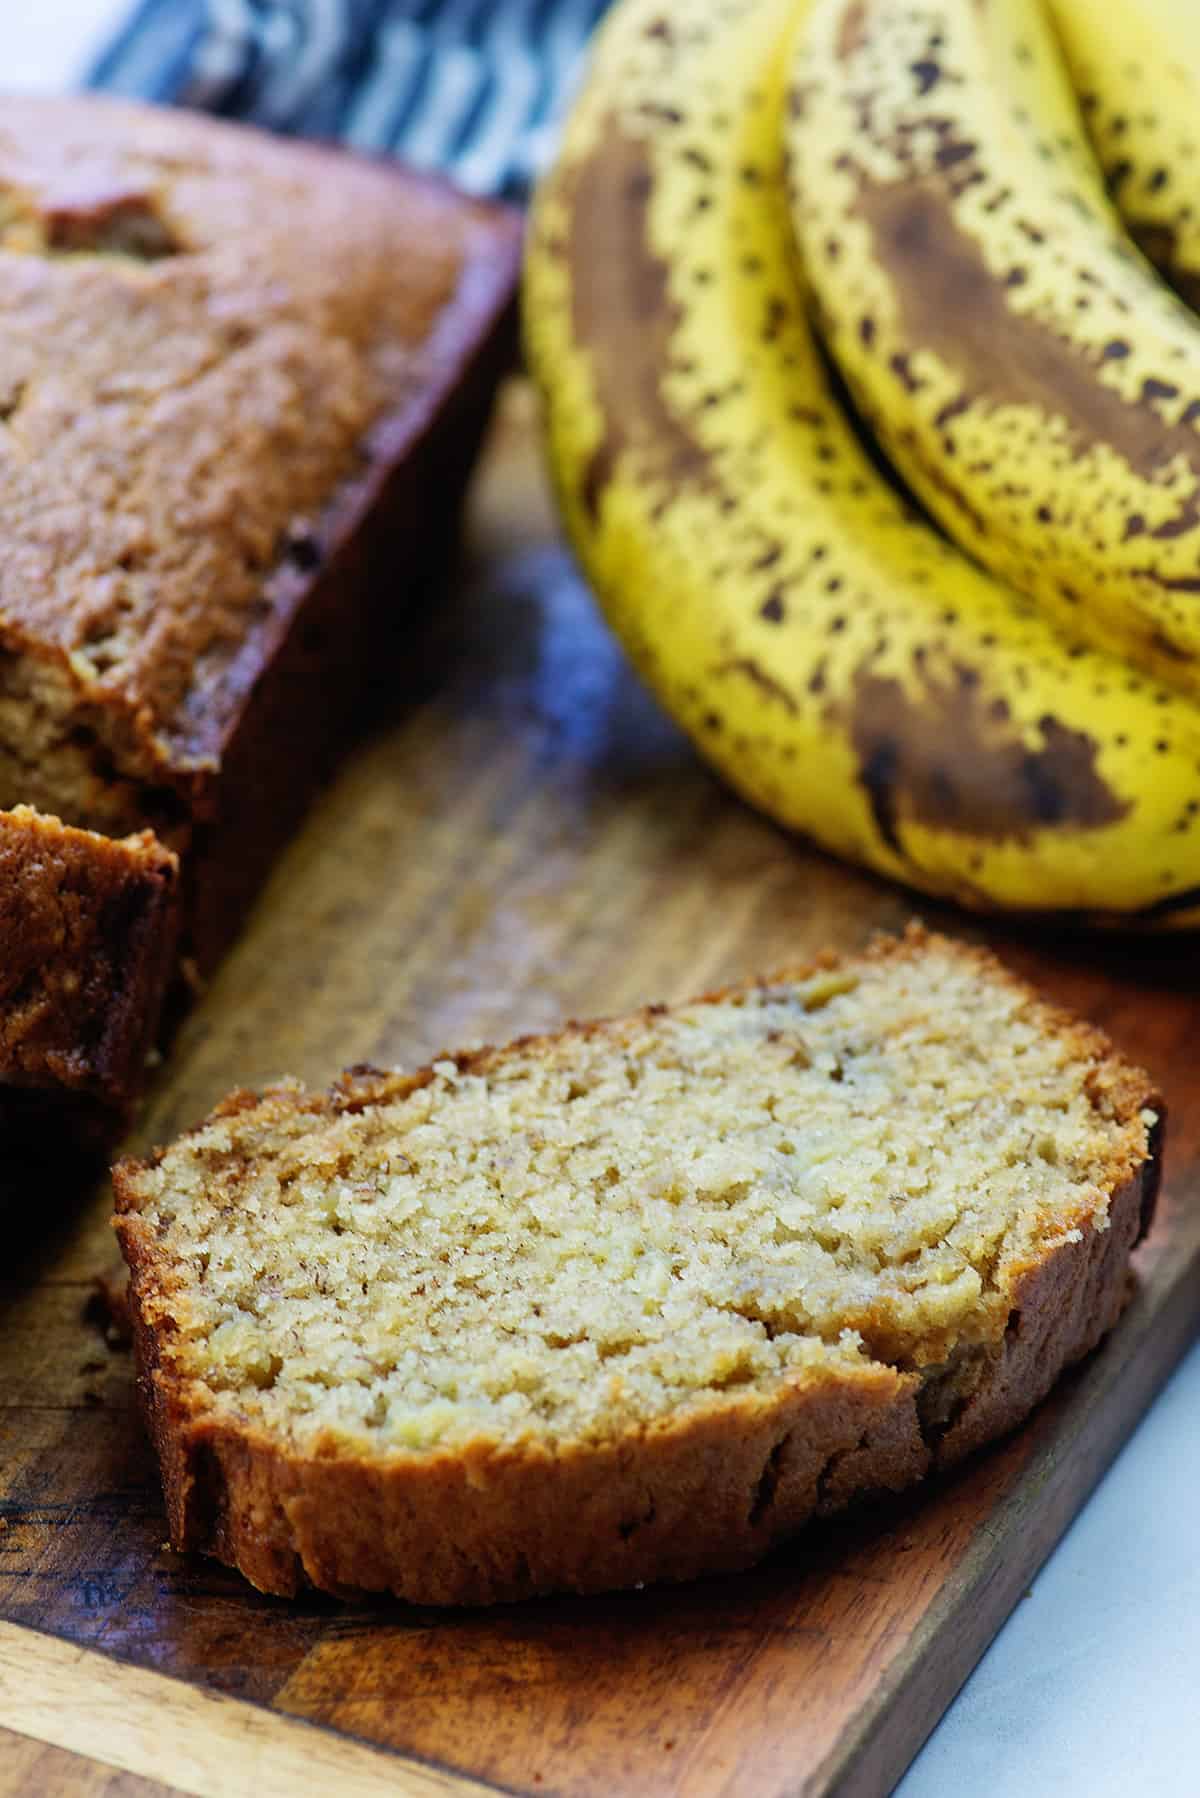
pixel 472 87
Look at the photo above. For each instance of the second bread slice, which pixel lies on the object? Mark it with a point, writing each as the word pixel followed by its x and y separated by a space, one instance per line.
pixel 633 1301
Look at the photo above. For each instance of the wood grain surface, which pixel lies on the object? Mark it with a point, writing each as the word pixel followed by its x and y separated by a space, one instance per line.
pixel 527 839
pixel 143 1724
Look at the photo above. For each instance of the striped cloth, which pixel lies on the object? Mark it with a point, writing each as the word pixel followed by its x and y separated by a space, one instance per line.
pixel 471 87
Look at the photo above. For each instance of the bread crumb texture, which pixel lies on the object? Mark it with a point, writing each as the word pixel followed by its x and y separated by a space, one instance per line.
pixel 578 1235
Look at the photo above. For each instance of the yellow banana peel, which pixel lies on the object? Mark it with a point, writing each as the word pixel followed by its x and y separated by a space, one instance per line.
pixel 846 669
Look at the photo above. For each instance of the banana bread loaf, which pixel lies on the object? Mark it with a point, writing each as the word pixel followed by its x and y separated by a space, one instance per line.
pixel 633 1301
pixel 87 939
pixel 242 381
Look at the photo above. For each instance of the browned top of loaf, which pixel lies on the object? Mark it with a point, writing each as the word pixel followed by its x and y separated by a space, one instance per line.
pixel 76 910
pixel 200 326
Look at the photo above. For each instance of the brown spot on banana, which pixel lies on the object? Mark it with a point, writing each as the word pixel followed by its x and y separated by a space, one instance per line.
pixel 739 628
pixel 1163 645
pixel 852 30
pixel 1171 583
pixel 620 278
pixel 943 758
pixel 953 304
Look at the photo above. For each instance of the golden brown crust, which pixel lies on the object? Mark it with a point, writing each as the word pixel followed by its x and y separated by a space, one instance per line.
pixel 712 1487
pixel 87 937
pixel 217 375
pixel 379 548
pixel 272 366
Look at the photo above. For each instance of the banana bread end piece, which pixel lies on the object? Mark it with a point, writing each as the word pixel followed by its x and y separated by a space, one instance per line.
pixel 633 1301
pixel 88 927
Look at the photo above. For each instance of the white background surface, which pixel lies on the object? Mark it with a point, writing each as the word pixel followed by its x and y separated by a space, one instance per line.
pixel 1093 1686
pixel 46 44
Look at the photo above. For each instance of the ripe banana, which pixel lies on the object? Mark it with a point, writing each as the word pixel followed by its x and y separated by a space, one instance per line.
pixel 848 671
pixel 1030 376
pixel 1136 68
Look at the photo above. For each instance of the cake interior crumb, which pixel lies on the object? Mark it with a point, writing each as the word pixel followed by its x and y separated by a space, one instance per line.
pixel 576 1239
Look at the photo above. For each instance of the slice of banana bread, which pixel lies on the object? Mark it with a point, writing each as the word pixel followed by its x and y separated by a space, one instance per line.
pixel 87 938
pixel 633 1301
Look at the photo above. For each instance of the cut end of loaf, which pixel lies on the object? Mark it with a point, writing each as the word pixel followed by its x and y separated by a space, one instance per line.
pixel 88 928
pixel 844 1180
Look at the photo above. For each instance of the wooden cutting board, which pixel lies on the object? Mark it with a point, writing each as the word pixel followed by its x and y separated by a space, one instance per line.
pixel 528 839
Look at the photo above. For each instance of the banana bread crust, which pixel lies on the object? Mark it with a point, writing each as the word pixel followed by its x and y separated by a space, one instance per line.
pixel 710 1488
pixel 272 366
pixel 346 604
pixel 88 927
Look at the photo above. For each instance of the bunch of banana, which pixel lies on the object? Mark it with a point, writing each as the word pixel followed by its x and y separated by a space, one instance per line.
pixel 1026 370
pixel 1136 69
pixel 846 668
